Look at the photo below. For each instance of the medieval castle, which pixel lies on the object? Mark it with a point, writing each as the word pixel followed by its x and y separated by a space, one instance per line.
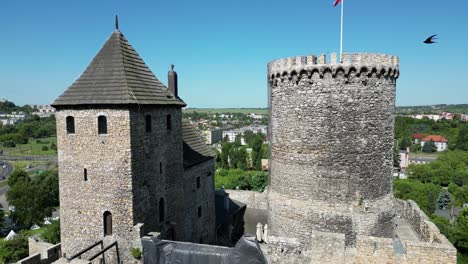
pixel 130 167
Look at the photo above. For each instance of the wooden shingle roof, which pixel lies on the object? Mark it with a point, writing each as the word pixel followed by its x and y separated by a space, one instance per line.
pixel 117 75
pixel 195 148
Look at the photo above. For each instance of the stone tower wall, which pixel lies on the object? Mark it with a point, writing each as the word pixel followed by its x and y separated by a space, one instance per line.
pixel 331 145
pixel 107 159
pixel 156 166
pixel 200 229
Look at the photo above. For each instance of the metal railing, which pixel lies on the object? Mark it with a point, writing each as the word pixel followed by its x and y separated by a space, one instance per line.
pixel 104 250
pixel 78 255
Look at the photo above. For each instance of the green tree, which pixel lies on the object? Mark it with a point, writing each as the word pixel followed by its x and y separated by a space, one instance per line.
pixel 249 136
pixel 429 146
pixel 444 200
pixel 257 153
pixel 18 176
pixel 396 157
pixel 417 191
pixel 13 250
pixel 2 217
pixel 405 143
pixel 460 230
pixel 51 233
pixel 462 141
pixel 34 199
pixel 444 226
pixel 225 150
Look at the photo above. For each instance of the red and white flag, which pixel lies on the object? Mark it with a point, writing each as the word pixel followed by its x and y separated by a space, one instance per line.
pixel 337 2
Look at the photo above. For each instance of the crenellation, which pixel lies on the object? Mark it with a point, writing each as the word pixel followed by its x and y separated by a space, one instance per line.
pixel 364 65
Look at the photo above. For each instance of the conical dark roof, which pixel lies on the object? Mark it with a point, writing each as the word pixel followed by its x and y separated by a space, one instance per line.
pixel 195 148
pixel 117 75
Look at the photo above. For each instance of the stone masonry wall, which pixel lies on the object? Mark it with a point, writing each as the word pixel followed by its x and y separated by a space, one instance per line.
pixel 255 200
pixel 157 168
pixel 331 145
pixel 420 223
pixel 200 229
pixel 107 159
pixel 41 253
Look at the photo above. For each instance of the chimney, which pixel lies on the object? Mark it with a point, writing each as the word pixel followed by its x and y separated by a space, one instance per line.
pixel 172 81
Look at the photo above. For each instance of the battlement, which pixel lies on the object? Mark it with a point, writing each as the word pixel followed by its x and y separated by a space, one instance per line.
pixel 358 63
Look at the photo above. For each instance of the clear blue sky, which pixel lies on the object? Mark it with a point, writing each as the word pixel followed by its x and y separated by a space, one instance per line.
pixel 221 48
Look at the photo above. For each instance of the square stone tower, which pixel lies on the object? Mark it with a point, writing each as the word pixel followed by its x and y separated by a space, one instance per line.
pixel 120 153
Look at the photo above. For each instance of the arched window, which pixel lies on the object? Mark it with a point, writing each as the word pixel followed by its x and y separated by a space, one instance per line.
pixel 161 210
pixel 70 125
pixel 107 223
pixel 168 122
pixel 148 123
pixel 102 125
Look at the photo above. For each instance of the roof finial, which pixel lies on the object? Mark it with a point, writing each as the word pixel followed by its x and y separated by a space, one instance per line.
pixel 172 67
pixel 117 22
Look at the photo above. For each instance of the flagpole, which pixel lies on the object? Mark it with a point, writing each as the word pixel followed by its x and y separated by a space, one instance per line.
pixel 341 32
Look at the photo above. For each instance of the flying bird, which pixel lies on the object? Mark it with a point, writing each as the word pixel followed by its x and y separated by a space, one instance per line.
pixel 430 40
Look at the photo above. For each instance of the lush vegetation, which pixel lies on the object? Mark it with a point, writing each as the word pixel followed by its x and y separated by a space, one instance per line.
pixel 454 131
pixel 241 179
pixel 51 233
pixel 14 250
pixel 432 109
pixel 33 198
pixel 441 184
pixel 259 111
pixel 8 107
pixel 218 119
pixel 33 127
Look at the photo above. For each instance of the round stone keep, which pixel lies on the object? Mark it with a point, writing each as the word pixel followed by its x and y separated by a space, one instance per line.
pixel 332 130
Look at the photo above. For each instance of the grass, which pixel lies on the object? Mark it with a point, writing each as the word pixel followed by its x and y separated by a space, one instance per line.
pixel 33 147
pixel 462 258
pixel 262 111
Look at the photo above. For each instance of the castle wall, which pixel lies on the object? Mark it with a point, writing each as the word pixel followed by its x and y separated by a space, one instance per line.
pixel 331 145
pixel 200 229
pixel 157 168
pixel 253 199
pixel 107 159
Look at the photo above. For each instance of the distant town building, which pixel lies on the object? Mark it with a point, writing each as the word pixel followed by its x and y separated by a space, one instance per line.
pixel 432 117
pixel 446 115
pixel 443 115
pixel 404 158
pixel 255 116
pixel 440 141
pixel 464 118
pixel 233 133
pixel 43 110
pixel 213 136
pixel 417 138
pixel 13 118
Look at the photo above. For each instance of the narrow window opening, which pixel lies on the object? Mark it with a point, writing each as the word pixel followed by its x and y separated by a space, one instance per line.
pixel 102 125
pixel 85 174
pixel 70 125
pixel 199 212
pixel 148 123
pixel 198 183
pixel 107 223
pixel 161 210
pixel 160 167
pixel 168 122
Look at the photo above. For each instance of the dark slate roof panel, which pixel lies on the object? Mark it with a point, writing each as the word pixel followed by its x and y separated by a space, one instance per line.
pixel 117 75
pixel 195 148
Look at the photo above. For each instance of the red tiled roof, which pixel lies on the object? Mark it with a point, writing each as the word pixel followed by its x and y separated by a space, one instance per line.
pixel 435 138
pixel 417 135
